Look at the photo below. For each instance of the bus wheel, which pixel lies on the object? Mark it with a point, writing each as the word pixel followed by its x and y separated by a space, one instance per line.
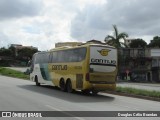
pixel 36 80
pixel 94 92
pixel 86 92
pixel 69 86
pixel 62 85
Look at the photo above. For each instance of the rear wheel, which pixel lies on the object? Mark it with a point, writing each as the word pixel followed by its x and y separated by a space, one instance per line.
pixel 62 85
pixel 86 92
pixel 95 92
pixel 69 86
pixel 36 80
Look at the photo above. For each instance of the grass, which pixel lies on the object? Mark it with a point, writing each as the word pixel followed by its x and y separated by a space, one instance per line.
pixel 134 91
pixel 13 73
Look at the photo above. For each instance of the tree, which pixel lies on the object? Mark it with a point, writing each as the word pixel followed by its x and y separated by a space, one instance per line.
pixel 5 52
pixel 138 43
pixel 115 39
pixel 12 49
pixel 155 42
pixel 26 53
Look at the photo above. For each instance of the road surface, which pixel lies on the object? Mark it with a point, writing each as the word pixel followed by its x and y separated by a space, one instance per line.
pixel 23 95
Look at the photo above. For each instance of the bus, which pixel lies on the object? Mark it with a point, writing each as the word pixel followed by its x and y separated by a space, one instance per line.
pixel 90 68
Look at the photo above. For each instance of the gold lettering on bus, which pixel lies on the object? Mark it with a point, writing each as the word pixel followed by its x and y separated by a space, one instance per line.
pixel 59 67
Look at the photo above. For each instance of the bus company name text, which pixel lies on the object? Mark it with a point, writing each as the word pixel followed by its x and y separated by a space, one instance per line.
pixel 59 67
pixel 103 61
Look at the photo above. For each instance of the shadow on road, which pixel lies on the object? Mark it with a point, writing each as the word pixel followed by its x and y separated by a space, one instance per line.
pixel 72 97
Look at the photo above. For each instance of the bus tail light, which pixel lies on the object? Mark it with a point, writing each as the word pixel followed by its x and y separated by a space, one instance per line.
pixel 87 76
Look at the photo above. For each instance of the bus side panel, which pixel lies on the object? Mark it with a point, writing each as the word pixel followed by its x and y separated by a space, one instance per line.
pixel 42 73
pixel 72 71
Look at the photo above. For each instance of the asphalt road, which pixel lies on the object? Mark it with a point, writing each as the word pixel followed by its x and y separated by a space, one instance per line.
pixel 23 95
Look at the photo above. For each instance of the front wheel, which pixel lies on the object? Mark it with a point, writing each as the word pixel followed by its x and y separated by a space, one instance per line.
pixel 36 80
pixel 94 92
pixel 86 92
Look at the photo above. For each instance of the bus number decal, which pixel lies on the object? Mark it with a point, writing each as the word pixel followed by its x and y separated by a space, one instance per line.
pixel 59 67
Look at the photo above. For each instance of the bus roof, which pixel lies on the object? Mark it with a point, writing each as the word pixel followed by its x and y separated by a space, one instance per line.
pixel 82 45
pixel 79 46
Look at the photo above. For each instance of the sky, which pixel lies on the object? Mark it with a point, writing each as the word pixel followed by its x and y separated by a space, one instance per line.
pixel 42 23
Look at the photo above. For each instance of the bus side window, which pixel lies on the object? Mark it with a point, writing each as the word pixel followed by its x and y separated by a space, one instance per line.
pixel 37 59
pixel 54 57
pixel 60 56
pixel 69 55
pixel 50 57
pixel 32 63
pixel 45 58
pixel 82 54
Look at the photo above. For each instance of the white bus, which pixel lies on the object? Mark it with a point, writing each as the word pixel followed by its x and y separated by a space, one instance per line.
pixel 89 68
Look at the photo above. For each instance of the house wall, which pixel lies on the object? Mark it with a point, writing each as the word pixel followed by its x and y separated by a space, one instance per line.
pixel 143 64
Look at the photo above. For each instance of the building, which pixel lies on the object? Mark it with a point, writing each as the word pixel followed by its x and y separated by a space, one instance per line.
pixel 61 44
pixel 19 46
pixel 71 44
pixel 128 41
pixel 155 68
pixel 138 64
pixel 95 42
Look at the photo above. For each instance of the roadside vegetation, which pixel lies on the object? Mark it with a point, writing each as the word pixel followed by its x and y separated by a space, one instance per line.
pixel 138 92
pixel 13 73
pixel 16 56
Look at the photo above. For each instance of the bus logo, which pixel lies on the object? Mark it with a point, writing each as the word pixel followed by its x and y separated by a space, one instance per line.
pixel 104 52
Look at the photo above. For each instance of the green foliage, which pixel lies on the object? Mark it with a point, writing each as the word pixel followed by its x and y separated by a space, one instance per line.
pixel 13 56
pixel 12 49
pixel 5 63
pixel 138 43
pixel 5 52
pixel 115 39
pixel 155 42
pixel 13 73
pixel 26 53
pixel 22 53
pixel 141 92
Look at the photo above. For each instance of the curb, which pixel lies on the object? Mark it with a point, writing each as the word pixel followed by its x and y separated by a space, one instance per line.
pixel 133 95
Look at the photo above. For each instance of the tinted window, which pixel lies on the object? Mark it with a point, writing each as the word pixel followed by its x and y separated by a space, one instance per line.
pixel 73 55
pixel 42 58
pixel 54 57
